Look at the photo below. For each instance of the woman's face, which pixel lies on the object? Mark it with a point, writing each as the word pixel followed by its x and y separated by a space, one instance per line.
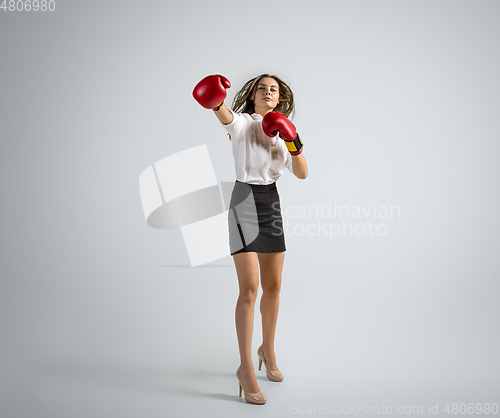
pixel 266 94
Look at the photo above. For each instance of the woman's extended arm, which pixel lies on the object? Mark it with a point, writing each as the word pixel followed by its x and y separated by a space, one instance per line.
pixel 299 166
pixel 224 114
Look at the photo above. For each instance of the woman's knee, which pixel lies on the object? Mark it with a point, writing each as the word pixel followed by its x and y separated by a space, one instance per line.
pixel 248 293
pixel 272 288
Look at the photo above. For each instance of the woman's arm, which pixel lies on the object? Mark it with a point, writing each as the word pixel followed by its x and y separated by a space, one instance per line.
pixel 275 122
pixel 224 114
pixel 299 166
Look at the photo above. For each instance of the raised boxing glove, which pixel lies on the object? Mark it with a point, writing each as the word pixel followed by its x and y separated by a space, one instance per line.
pixel 211 91
pixel 276 123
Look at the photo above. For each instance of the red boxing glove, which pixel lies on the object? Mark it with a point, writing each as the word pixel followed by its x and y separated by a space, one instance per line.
pixel 211 91
pixel 274 123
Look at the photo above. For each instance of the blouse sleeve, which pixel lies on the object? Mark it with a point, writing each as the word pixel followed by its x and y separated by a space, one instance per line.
pixel 235 128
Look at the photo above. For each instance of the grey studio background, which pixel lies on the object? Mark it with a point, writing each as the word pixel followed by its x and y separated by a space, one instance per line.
pixel 397 103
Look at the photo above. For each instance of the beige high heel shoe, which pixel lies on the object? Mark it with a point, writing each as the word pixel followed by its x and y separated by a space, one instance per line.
pixel 255 397
pixel 274 375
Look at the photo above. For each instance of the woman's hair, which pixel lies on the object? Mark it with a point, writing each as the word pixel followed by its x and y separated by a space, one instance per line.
pixel 244 104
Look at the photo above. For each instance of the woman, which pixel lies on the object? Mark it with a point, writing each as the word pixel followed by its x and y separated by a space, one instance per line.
pixel 260 111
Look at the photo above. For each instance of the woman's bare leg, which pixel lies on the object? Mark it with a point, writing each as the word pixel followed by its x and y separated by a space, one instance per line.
pixel 271 266
pixel 248 278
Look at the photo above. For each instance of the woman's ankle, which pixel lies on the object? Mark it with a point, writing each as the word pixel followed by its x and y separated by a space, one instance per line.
pixel 246 365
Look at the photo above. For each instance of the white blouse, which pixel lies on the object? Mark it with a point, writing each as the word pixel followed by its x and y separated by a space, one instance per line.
pixel 258 158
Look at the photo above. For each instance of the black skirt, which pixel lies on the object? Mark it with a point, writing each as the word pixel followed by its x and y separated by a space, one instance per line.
pixel 255 221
